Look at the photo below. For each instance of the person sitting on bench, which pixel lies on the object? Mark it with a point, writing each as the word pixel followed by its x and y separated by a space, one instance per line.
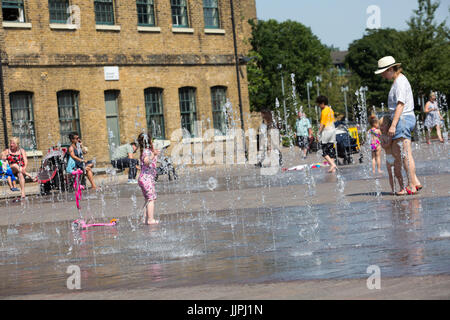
pixel 123 158
pixel 76 160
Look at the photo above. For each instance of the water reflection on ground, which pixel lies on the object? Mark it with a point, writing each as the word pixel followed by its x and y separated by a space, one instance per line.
pixel 403 237
pixel 196 183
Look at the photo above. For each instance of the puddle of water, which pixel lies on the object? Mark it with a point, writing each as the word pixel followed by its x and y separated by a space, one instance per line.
pixel 251 181
pixel 403 237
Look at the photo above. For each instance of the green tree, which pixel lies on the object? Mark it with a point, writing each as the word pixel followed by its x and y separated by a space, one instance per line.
pixel 363 59
pixel 428 47
pixel 290 44
pixel 423 50
pixel 259 84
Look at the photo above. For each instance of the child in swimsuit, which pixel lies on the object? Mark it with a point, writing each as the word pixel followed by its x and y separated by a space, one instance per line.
pixel 375 145
pixel 386 143
pixel 6 173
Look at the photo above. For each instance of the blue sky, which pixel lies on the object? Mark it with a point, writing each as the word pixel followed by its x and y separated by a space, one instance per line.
pixel 339 22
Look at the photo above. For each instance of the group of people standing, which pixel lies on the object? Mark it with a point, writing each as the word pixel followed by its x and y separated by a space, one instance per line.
pixel 392 133
pixel 14 163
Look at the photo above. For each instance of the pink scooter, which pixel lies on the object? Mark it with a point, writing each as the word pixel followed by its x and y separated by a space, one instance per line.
pixel 81 224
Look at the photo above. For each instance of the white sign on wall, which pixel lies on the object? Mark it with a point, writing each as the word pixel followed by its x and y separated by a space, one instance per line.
pixel 111 73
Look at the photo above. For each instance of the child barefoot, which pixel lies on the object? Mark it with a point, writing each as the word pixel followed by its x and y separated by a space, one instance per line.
pixel 375 134
pixel 386 143
pixel 147 176
pixel 6 172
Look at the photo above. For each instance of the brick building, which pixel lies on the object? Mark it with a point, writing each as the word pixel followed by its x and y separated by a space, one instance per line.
pixel 111 68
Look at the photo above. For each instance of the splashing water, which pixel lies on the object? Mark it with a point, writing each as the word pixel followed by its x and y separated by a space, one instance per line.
pixel 253 238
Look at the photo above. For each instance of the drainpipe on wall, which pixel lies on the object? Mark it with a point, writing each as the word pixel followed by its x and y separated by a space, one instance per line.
pixel 2 97
pixel 237 73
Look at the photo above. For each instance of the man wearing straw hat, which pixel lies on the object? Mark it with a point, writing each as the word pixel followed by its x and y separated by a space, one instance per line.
pixel 401 108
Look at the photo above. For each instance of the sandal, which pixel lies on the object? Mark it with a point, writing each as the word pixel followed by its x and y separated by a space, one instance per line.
pixel 401 193
pixel 409 191
pixel 419 187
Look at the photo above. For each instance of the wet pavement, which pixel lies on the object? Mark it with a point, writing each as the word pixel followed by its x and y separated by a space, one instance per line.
pixel 237 228
pixel 404 238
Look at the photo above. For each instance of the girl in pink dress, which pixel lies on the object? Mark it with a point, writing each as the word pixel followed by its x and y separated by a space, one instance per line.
pixel 146 179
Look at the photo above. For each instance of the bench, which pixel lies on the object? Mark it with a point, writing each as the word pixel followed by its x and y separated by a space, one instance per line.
pixel 34 162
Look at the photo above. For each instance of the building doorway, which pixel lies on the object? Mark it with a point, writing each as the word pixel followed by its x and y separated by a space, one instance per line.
pixel 112 119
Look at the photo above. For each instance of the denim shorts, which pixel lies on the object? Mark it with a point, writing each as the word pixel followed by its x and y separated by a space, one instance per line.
pixel 405 127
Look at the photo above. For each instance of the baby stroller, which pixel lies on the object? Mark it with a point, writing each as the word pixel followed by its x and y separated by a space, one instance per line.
pixel 165 166
pixel 52 173
pixel 346 145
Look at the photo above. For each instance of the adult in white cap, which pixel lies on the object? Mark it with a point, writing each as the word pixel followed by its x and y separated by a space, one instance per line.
pixel 401 108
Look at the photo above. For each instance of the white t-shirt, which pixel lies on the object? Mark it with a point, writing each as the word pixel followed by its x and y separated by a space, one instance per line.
pixel 263 128
pixel 401 92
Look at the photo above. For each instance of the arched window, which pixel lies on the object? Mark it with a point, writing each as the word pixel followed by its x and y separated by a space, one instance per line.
pixel 22 119
pixel 69 119
pixel 218 101
pixel 154 110
pixel 188 109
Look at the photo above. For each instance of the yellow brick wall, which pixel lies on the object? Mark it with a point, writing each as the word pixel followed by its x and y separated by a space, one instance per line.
pixel 45 61
pixel 87 41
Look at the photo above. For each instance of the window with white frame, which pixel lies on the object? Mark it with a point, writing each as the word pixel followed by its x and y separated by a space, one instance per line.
pixel 13 10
